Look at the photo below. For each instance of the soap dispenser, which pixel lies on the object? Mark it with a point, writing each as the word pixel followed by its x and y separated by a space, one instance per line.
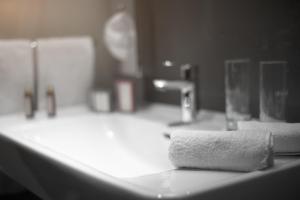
pixel 51 102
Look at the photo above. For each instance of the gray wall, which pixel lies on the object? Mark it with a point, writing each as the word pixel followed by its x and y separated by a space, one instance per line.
pixel 207 32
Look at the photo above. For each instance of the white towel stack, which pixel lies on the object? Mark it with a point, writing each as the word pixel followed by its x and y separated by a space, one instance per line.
pixel 286 135
pixel 67 64
pixel 16 74
pixel 223 150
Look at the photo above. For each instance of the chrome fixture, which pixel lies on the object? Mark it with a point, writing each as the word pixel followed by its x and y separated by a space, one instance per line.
pixel 187 96
pixel 186 88
pixel 51 102
pixel 34 45
pixel 28 103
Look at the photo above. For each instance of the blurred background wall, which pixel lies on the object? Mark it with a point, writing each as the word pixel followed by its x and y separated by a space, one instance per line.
pixel 207 32
pixel 203 32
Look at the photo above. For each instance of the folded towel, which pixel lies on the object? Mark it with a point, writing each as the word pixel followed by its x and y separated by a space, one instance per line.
pixel 286 135
pixel 224 150
pixel 16 74
pixel 67 64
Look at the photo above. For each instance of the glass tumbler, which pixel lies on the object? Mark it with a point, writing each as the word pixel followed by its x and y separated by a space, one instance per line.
pixel 273 90
pixel 237 91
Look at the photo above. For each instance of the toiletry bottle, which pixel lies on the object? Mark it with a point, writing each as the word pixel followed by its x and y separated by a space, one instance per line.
pixel 51 103
pixel 28 104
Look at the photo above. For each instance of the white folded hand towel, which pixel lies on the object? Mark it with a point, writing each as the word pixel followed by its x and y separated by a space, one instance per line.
pixel 286 135
pixel 225 150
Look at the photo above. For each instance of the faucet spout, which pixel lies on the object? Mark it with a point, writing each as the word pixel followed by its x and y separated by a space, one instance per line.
pixel 164 85
pixel 187 92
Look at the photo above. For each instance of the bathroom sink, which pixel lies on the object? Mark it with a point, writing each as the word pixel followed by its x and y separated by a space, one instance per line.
pixel 84 155
pixel 115 144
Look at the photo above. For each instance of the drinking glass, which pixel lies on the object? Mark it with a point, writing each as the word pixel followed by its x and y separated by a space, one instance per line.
pixel 237 91
pixel 273 90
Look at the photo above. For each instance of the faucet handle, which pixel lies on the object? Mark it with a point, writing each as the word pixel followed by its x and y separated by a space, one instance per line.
pixel 187 71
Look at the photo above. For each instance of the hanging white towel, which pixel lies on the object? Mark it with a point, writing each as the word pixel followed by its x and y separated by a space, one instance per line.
pixel 16 74
pixel 67 64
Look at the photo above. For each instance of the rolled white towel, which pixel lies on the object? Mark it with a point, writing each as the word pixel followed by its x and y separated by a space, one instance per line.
pixel 286 135
pixel 225 150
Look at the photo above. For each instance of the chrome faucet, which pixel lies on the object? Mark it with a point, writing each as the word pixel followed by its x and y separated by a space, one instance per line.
pixel 34 45
pixel 186 88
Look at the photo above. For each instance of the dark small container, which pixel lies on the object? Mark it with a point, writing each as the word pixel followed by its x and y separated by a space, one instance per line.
pixel 51 102
pixel 28 104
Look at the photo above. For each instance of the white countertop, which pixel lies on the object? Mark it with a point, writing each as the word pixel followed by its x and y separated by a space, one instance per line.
pixel 169 184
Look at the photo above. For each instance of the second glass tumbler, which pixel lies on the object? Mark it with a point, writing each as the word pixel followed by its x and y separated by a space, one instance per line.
pixel 273 90
pixel 237 91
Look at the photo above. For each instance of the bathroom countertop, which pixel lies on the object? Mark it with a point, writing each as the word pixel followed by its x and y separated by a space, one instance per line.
pixel 19 159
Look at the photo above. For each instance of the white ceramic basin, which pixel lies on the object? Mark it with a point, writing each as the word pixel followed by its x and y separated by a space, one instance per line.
pixel 90 156
pixel 118 145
